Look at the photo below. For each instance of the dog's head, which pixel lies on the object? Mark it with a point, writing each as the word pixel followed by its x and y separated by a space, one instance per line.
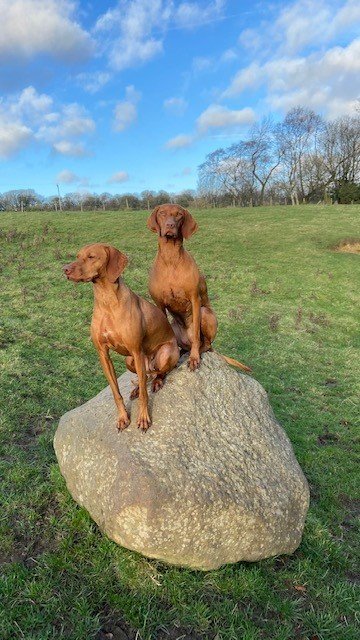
pixel 96 261
pixel 172 221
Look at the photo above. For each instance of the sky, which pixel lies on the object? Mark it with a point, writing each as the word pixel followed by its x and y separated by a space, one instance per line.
pixel 130 95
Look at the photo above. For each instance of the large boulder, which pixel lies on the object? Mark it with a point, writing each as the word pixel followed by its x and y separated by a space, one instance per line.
pixel 214 480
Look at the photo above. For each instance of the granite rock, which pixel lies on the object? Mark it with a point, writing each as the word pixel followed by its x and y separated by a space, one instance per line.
pixel 214 480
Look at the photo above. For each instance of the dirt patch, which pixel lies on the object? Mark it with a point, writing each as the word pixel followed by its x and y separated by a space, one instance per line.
pixel 327 438
pixel 348 245
pixel 118 630
pixel 121 630
pixel 255 290
pixel 351 506
pixel 353 577
pixel 177 633
pixel 28 545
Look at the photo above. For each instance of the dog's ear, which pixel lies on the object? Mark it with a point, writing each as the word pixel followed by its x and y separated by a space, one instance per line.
pixel 116 264
pixel 152 222
pixel 189 225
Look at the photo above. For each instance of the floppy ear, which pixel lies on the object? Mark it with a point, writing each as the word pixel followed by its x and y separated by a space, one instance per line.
pixel 189 225
pixel 152 222
pixel 116 264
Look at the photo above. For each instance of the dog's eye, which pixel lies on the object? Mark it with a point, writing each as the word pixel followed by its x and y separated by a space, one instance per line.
pixel 92 257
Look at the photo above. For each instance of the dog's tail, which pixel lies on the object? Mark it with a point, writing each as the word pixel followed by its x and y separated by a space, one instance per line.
pixel 234 363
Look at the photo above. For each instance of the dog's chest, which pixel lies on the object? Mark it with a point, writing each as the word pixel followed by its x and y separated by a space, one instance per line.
pixel 170 286
pixel 112 337
pixel 175 299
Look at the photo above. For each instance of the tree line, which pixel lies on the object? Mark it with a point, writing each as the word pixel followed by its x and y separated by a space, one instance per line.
pixel 301 159
pixel 26 199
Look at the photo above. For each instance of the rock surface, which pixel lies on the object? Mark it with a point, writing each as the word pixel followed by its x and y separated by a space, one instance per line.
pixel 214 480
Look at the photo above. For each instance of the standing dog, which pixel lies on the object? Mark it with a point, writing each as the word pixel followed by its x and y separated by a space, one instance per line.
pixel 177 285
pixel 126 323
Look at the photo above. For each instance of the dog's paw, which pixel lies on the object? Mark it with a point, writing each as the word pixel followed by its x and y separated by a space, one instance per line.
pixel 144 421
pixel 194 362
pixel 157 384
pixel 123 421
pixel 135 393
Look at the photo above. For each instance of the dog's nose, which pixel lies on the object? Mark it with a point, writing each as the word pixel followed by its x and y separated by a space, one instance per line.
pixel 170 224
pixel 67 268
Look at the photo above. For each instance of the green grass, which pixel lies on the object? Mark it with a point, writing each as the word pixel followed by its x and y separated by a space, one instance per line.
pixel 288 306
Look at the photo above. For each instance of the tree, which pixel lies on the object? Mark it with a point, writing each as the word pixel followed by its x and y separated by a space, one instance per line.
pixel 161 197
pixel 340 152
pixel 296 138
pixel 227 172
pixel 185 198
pixel 264 153
pixel 20 199
pixel 147 199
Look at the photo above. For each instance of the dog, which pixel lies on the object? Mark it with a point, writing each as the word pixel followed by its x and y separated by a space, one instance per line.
pixel 176 285
pixel 126 323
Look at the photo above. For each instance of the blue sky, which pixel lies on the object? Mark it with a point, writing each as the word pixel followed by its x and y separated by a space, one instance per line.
pixel 130 95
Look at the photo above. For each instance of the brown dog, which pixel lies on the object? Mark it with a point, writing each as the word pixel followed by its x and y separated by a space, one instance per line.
pixel 126 323
pixel 177 285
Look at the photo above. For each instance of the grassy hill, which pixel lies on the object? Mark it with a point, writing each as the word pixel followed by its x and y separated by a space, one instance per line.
pixel 287 305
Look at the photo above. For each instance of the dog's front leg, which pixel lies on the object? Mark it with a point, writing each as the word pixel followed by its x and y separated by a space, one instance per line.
pixel 194 358
pixel 109 371
pixel 144 421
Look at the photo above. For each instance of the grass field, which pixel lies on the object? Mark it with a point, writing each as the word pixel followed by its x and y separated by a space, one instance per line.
pixel 287 305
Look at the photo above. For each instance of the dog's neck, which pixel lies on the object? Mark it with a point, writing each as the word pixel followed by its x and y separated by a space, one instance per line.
pixel 106 292
pixel 170 249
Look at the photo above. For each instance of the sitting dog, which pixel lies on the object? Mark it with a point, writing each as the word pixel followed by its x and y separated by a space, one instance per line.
pixel 126 323
pixel 176 284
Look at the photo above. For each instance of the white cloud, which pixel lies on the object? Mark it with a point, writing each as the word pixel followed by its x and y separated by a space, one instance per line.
pixel 125 114
pixel 312 22
pixel 129 52
pixel 93 81
pixel 135 29
pixel 176 106
pixel 120 176
pixel 219 117
pixel 37 112
pixel 33 27
pixel 250 39
pixel 19 116
pixel 179 142
pixel 326 82
pixel 68 148
pixel 13 137
pixel 32 103
pixel 134 21
pixel 248 77
pixel 201 63
pixel 192 14
pixel 31 116
pixel 71 121
pixel 67 177
pixel 293 64
pixel 125 111
pixel 214 117
pixel 229 55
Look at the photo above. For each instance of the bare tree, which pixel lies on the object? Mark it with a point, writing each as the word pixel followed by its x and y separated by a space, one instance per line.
pixel 264 153
pixel 340 151
pixel 296 138
pixel 227 171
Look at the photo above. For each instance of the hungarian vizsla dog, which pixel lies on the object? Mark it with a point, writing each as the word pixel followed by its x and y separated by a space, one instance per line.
pixel 126 323
pixel 176 284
